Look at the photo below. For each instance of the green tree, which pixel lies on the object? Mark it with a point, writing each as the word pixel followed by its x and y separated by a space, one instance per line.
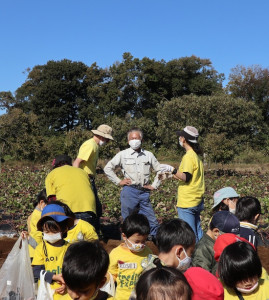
pixel 233 121
pixel 252 84
pixel 7 100
pixel 52 92
pixel 22 133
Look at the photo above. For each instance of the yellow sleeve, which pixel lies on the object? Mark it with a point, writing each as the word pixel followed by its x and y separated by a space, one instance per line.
pixel 187 164
pixel 50 189
pixel 91 234
pixel 113 265
pixel 85 151
pixel 38 258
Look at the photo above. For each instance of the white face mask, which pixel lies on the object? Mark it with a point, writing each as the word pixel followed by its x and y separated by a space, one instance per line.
pixel 180 142
pixel 102 143
pixel 232 210
pixel 135 144
pixel 248 291
pixel 135 247
pixel 52 238
pixel 183 264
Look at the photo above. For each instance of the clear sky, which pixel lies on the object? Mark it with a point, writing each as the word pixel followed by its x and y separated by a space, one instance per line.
pixel 228 32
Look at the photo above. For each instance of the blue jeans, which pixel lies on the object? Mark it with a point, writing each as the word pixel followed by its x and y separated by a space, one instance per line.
pixel 191 215
pixel 133 200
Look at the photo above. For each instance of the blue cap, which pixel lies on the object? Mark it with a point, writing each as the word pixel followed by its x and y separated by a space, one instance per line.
pixel 55 212
pixel 226 222
pixel 227 192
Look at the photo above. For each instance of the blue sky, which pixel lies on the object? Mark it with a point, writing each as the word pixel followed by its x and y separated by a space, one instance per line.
pixel 35 31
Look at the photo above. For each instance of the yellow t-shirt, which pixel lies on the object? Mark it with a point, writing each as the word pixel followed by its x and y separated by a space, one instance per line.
pixel 89 152
pixel 35 236
pixel 126 266
pixel 83 231
pixel 71 186
pixel 190 193
pixel 261 293
pixel 53 261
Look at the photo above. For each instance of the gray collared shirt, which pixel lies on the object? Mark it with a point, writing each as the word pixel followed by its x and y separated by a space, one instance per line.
pixel 135 166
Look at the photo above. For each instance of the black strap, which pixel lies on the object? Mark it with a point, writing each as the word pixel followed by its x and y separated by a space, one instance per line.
pixel 239 294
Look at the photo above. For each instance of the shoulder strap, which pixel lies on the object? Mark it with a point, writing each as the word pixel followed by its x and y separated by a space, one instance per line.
pixel 239 294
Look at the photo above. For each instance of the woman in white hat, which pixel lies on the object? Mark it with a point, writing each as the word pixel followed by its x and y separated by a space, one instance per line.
pixel 191 180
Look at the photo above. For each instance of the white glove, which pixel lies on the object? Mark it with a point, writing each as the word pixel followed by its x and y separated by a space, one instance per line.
pixel 166 168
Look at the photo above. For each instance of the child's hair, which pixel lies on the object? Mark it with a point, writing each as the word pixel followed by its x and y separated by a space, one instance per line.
pixel 84 263
pixel 66 208
pixel 54 219
pixel 165 283
pixel 135 223
pixel 247 208
pixel 238 261
pixel 174 232
pixel 221 206
pixel 41 196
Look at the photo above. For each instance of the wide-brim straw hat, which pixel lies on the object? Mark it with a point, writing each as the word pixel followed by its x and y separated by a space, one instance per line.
pixel 104 131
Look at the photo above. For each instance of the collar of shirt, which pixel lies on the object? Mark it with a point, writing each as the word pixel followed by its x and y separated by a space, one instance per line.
pixel 248 225
pixel 132 151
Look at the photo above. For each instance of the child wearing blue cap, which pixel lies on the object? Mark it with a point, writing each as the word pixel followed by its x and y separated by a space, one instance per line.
pixel 50 252
pixel 225 199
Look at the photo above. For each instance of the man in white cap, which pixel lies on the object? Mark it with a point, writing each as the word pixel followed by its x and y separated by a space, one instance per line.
pixel 88 156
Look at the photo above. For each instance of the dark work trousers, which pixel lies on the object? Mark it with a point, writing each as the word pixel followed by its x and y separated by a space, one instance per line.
pixel 98 205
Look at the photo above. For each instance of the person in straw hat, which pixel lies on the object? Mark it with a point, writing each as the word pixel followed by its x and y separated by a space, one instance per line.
pixel 88 156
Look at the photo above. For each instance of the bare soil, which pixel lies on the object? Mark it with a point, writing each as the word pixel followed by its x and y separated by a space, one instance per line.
pixel 6 245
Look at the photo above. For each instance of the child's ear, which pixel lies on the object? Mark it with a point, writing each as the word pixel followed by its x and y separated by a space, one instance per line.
pixel 256 218
pixel 216 232
pixel 124 236
pixel 178 250
pixel 103 282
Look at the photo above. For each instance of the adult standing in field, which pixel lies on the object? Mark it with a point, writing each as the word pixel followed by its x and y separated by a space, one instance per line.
pixel 71 186
pixel 135 164
pixel 191 180
pixel 88 156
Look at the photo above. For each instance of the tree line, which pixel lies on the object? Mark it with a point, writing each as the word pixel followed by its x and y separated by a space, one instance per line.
pixel 54 109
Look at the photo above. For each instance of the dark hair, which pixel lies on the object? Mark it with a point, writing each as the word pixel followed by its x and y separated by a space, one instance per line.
pixel 163 283
pixel 211 225
pixel 196 148
pixel 220 206
pixel 135 223
pixel 42 195
pixel 247 208
pixel 238 261
pixel 84 263
pixel 174 232
pixel 53 226
pixel 61 160
pixel 66 208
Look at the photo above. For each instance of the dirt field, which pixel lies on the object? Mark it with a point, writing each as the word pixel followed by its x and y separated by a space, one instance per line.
pixel 6 245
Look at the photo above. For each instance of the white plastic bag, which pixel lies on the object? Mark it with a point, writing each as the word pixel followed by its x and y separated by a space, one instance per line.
pixel 16 274
pixel 45 292
pixel 109 287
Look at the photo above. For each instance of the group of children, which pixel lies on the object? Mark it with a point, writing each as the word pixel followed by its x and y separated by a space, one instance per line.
pixel 223 265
